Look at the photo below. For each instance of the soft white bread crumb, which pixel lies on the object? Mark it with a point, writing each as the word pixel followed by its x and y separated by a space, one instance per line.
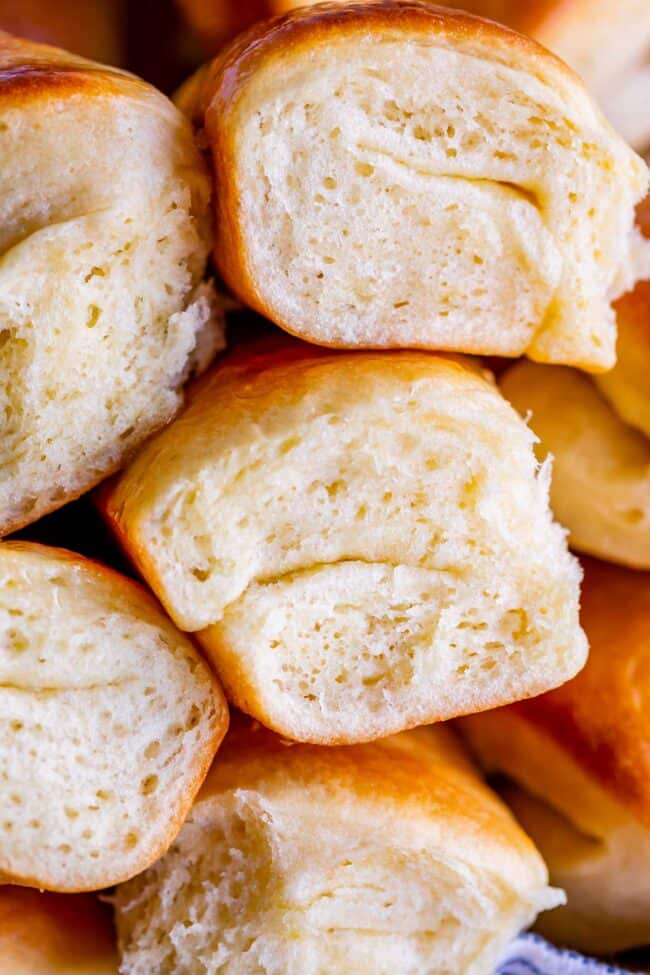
pixel 103 240
pixel 600 489
pixel 109 720
pixel 363 542
pixel 400 175
pixel 372 860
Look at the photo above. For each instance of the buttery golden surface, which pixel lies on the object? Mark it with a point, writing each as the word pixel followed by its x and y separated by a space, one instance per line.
pixel 372 859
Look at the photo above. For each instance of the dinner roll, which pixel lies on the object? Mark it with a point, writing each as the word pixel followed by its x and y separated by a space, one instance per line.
pixel 103 242
pixel 109 721
pixel 580 760
pixel 54 934
pixel 394 174
pixel 295 860
pixel 362 542
pixel 607 43
pixel 600 488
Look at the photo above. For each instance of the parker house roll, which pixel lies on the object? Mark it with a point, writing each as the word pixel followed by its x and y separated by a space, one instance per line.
pixel 109 720
pixel 103 241
pixel 579 758
pixel 394 174
pixel 361 542
pixel 374 859
pixel 55 934
pixel 606 42
pixel 600 486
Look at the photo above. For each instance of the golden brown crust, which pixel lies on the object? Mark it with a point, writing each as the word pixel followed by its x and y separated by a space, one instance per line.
pixel 425 775
pixel 28 69
pixel 602 716
pixel 214 97
pixel 54 934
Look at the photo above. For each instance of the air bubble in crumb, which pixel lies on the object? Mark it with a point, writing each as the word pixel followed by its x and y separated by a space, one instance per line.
pixel 152 749
pixel 149 785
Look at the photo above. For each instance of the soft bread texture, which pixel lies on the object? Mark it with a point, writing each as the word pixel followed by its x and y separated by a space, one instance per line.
pixel 394 174
pixel 600 486
pixel 362 542
pixel 91 28
pixel 104 238
pixel 55 934
pixel 627 385
pixel 110 719
pixel 375 859
pixel 580 760
pixel 607 43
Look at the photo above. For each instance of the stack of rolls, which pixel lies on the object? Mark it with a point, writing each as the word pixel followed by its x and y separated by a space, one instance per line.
pixel 346 523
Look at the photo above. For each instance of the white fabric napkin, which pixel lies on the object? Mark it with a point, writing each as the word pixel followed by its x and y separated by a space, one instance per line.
pixel 531 955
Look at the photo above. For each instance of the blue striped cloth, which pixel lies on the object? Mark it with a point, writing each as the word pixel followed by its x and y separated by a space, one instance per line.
pixel 531 955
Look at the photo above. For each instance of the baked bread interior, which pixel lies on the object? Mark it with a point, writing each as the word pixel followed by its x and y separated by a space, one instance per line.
pixel 109 721
pixel 373 859
pixel 104 235
pixel 397 174
pixel 361 542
